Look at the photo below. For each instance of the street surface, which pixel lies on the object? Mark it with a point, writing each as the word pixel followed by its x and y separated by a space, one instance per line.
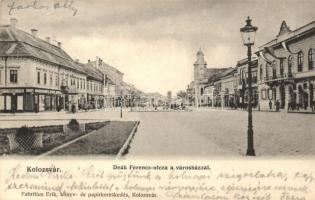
pixel 200 134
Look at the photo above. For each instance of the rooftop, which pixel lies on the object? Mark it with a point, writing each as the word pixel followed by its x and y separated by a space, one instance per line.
pixel 15 42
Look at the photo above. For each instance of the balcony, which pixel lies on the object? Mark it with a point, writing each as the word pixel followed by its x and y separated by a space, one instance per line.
pixel 278 78
pixel 305 74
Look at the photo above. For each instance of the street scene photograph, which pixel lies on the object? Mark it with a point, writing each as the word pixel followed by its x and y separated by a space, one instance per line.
pixel 160 79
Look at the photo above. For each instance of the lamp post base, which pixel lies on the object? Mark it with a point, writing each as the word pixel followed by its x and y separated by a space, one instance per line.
pixel 250 152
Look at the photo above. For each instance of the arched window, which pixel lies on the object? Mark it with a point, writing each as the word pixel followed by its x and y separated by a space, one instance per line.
pixel 300 61
pixel 311 59
pixel 290 60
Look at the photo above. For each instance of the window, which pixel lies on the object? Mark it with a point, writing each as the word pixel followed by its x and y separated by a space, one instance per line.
pixel 0 76
pixel 45 78
pixel 13 76
pixel 260 72
pixel 290 61
pixel 201 91
pixel 267 73
pixel 254 77
pixel 311 59
pixel 300 61
pixel 57 81
pixel 38 77
pixel 50 79
pixel 274 70
pixel 281 67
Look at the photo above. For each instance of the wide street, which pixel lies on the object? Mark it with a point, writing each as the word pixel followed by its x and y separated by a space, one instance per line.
pixel 200 134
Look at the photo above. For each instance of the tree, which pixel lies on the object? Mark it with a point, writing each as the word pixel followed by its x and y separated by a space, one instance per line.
pixel 182 94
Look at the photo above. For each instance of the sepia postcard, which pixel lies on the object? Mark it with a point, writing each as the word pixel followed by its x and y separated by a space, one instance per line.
pixel 157 99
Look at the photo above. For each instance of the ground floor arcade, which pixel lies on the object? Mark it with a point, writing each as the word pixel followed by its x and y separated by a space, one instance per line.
pixel 293 95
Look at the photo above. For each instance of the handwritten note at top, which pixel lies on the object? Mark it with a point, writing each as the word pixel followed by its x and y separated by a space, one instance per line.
pixel 158 182
pixel 15 6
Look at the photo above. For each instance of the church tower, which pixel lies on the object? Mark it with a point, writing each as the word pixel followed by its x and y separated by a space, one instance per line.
pixel 200 73
pixel 200 66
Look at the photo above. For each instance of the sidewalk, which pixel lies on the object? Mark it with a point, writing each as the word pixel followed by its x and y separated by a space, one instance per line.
pixel 9 120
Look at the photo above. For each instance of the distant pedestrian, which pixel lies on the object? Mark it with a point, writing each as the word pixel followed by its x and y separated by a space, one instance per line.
pixel 270 104
pixel 277 105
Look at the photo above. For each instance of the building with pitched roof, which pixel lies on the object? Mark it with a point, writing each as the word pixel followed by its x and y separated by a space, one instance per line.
pixel 287 69
pixel 36 75
pixel 202 74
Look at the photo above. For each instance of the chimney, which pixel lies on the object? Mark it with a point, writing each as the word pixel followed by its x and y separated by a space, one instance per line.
pixel 48 39
pixel 59 44
pixel 13 22
pixel 34 32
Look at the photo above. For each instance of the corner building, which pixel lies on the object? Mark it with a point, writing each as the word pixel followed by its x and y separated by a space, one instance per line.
pixel 286 69
pixel 36 75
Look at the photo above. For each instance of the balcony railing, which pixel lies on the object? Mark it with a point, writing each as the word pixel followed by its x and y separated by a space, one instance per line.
pixel 278 77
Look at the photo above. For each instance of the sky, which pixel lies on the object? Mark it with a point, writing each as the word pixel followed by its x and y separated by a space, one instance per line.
pixel 154 42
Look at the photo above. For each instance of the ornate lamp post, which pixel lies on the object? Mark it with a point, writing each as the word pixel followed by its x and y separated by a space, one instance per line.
pixel 248 35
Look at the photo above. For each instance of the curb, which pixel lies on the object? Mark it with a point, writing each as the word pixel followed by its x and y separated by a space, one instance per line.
pixel 65 144
pixel 128 141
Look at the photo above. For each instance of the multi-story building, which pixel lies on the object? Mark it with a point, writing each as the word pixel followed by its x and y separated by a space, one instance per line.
pixel 114 76
pixel 36 75
pixel 287 68
pixel 94 87
pixel 201 78
pixel 225 88
pixel 241 81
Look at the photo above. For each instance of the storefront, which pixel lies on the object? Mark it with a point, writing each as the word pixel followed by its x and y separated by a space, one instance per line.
pixel 14 100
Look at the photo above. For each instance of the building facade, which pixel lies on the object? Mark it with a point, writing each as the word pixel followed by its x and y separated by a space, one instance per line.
pixel 287 69
pixel 241 80
pixel 36 75
pixel 202 74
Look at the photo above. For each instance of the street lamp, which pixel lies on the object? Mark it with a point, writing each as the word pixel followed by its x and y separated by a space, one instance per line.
pixel 248 35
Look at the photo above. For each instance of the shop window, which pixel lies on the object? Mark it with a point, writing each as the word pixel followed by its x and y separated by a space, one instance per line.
pixel 13 76
pixel 300 61
pixel 311 59
pixel 0 76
